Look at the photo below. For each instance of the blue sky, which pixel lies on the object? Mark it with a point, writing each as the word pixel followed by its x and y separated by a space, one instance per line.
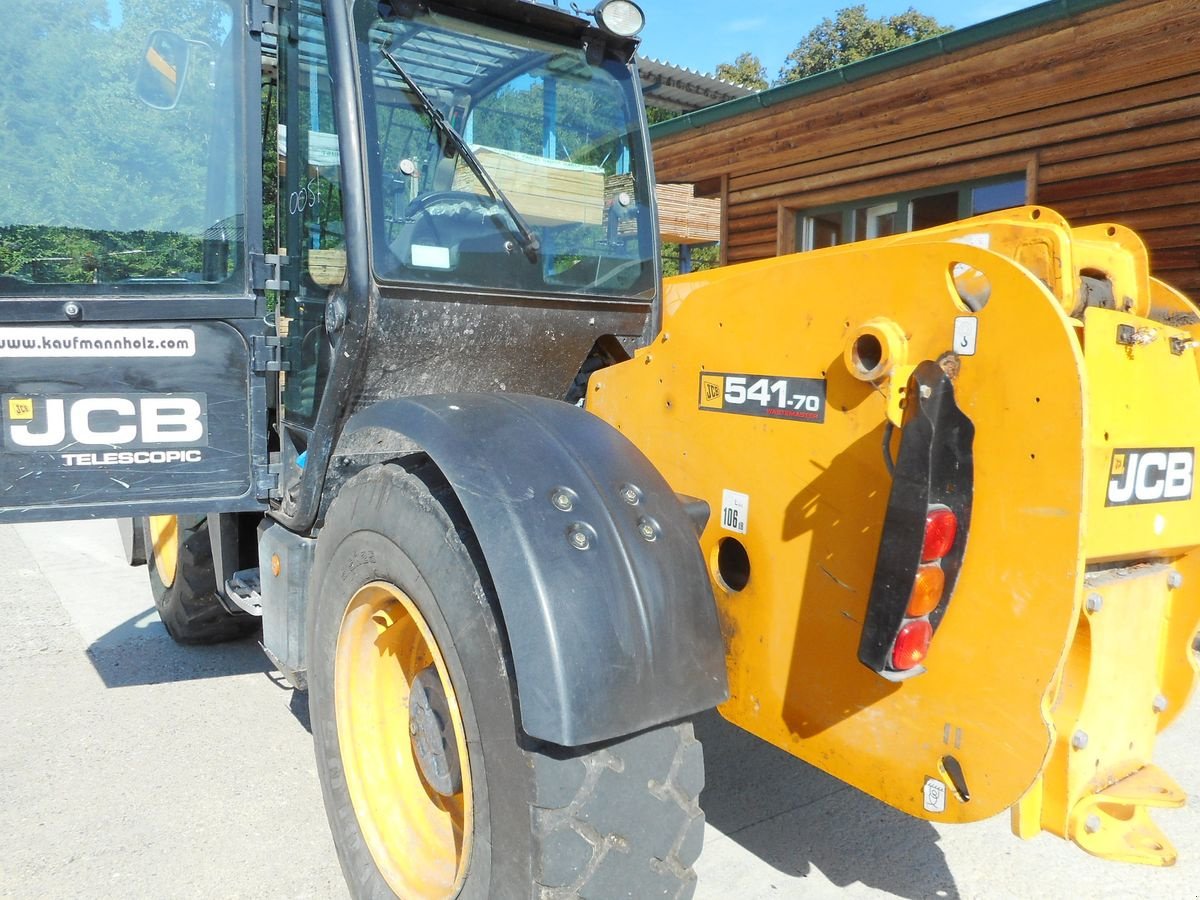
pixel 699 34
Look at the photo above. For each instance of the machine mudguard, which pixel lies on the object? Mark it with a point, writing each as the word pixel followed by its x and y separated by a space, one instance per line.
pixel 602 586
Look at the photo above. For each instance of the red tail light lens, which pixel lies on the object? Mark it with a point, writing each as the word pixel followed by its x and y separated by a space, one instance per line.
pixel 912 644
pixel 941 527
pixel 927 591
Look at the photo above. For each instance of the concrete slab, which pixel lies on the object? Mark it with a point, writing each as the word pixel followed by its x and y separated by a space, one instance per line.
pixel 132 767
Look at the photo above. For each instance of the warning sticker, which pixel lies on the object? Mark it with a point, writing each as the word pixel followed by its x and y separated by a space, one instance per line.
pixel 935 795
pixel 966 335
pixel 735 511
pixel 772 396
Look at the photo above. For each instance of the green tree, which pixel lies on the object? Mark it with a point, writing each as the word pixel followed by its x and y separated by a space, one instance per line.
pixel 656 114
pixel 747 70
pixel 704 257
pixel 851 35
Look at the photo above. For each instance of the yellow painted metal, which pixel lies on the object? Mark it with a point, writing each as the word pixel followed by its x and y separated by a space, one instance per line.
pixel 1114 823
pixel 1130 669
pixel 1045 382
pixel 877 351
pixel 1111 696
pixel 1043 243
pixel 420 840
pixel 164 541
pixel 1171 307
pixel 1143 396
pixel 1026 813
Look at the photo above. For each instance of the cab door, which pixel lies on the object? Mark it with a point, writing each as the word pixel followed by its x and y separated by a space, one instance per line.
pixel 133 350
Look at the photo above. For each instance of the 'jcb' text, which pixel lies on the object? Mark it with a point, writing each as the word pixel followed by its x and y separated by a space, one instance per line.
pixel 125 422
pixel 1150 476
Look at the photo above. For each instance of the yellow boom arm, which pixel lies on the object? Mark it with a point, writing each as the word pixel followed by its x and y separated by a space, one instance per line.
pixel 1033 387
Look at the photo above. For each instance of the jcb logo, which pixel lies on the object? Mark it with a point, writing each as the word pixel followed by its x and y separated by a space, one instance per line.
pixel 84 421
pixel 1150 476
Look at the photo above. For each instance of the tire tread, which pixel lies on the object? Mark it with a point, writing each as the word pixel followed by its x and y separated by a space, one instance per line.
pixel 190 608
pixel 615 809
pixel 611 820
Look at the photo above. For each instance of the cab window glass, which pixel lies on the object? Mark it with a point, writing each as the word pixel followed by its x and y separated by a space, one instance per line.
pixel 521 168
pixel 123 166
pixel 310 209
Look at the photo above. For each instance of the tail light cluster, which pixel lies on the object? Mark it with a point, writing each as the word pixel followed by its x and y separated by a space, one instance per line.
pixel 929 586
pixel 925 528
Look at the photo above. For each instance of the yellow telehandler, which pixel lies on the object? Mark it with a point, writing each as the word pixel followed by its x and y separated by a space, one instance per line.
pixel 931 591
pixel 920 510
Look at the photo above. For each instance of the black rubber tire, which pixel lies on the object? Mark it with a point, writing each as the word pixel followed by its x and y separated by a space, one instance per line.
pixel 621 819
pixel 189 608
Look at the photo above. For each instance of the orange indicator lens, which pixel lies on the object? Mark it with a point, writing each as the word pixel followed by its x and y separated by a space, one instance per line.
pixel 927 591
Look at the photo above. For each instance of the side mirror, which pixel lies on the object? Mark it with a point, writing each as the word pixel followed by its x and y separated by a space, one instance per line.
pixel 164 67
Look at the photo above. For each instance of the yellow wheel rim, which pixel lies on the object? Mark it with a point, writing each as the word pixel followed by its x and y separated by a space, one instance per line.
pixel 419 839
pixel 164 540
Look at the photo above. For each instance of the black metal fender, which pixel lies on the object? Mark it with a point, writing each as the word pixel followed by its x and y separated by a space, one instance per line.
pixel 602 585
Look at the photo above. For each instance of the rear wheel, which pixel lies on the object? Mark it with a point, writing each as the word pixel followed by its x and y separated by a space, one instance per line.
pixel 184 584
pixel 431 788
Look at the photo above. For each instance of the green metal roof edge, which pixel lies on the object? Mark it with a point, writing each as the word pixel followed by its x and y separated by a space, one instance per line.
pixel 951 42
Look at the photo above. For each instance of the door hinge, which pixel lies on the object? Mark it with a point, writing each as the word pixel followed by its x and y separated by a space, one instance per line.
pixel 264 17
pixel 266 478
pixel 267 269
pixel 267 354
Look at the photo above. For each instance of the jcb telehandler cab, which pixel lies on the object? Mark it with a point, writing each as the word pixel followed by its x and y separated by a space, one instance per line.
pixel 444 433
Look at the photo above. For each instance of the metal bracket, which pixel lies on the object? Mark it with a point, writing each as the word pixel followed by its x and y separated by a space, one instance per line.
pixel 1129 336
pixel 266 478
pixel 1113 823
pixel 267 272
pixel 244 590
pixel 285 564
pixel 1180 346
pixel 264 17
pixel 267 354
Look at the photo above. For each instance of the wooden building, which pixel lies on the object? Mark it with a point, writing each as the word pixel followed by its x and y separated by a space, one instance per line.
pixel 1091 107
pixel 684 219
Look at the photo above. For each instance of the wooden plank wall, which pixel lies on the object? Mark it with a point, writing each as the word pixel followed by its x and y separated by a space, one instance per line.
pixel 1101 113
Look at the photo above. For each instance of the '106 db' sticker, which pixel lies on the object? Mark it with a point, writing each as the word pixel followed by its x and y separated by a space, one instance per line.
pixel 773 396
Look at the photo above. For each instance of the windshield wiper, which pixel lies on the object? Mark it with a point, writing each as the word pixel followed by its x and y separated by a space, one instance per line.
pixel 529 241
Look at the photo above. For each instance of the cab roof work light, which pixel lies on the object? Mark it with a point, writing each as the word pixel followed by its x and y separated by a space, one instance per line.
pixel 924 531
pixel 620 17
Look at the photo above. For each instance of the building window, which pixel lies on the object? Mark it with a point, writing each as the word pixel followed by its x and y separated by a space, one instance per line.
pixel 831 226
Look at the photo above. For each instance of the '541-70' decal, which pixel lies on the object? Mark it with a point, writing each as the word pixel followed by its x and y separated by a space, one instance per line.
pixel 773 396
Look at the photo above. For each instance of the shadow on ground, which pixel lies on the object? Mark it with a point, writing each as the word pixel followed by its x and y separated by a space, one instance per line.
pixel 299 708
pixel 139 651
pixel 790 815
pixel 794 817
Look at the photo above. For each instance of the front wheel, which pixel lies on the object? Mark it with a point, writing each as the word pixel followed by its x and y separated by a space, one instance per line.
pixel 431 788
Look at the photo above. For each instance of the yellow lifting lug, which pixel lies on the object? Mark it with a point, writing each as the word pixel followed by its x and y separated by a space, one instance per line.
pixel 876 352
pixel 1115 823
pixel 1129 671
